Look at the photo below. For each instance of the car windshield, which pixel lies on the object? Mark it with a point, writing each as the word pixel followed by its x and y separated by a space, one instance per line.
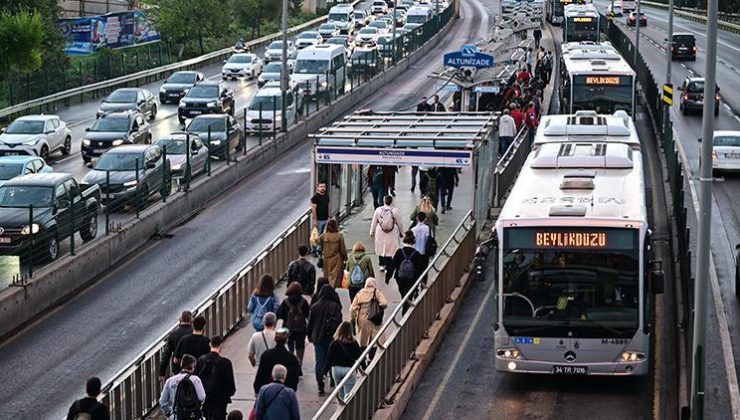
pixel 378 24
pixel 727 141
pixel 108 124
pixel 336 41
pixel 122 97
pixel 25 127
pixel 276 45
pixel 25 196
pixel 10 170
pixel 182 78
pixel 200 125
pixel 362 54
pixel 311 66
pixel 268 103
pixel 172 146
pixel 339 17
pixel 203 92
pixel 119 162
pixel 241 59
pixel 359 15
pixel 273 68
pixel 695 87
pixel 307 35
pixel 371 31
pixel 327 27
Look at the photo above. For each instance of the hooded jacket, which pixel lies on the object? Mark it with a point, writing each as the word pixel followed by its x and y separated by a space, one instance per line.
pixel 283 311
pixel 325 316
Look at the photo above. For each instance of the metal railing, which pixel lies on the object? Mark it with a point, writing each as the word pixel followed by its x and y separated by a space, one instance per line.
pixel 691 15
pixel 508 167
pixel 404 330
pixel 134 391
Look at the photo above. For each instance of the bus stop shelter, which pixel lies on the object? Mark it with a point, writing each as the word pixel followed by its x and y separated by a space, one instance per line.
pixel 343 151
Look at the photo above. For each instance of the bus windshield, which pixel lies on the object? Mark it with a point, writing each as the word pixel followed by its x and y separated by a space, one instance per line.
pixel 604 94
pixel 580 280
pixel 581 29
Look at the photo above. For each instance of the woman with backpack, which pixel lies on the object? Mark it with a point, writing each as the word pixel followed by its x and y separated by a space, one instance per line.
pixel 342 355
pixel 262 301
pixel 359 268
pixel 432 219
pixel 386 230
pixel 294 313
pixel 407 265
pixel 334 253
pixel 360 312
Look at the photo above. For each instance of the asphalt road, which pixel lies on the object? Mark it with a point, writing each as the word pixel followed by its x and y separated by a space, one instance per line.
pixel 44 367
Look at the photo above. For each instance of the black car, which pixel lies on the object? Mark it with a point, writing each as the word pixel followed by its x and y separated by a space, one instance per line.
pixel 122 186
pixel 178 84
pixel 127 99
pixel 683 45
pixel 114 130
pixel 206 98
pixel 692 96
pixel 56 198
pixel 365 62
pixel 224 130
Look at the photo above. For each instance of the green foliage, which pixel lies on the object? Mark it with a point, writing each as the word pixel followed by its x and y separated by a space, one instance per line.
pixel 182 21
pixel 49 10
pixel 21 41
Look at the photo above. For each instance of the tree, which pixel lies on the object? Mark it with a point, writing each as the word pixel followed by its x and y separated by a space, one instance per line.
pixel 182 21
pixel 21 41
pixel 254 13
pixel 53 43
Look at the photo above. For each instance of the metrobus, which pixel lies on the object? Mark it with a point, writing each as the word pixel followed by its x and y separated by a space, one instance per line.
pixel 573 253
pixel 554 9
pixel 580 23
pixel 594 76
pixel 628 5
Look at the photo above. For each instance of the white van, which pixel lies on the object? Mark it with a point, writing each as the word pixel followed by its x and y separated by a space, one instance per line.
pixel 270 100
pixel 419 15
pixel 342 16
pixel 320 69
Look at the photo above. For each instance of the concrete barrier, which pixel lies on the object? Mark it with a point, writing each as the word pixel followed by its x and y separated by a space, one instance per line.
pixel 61 280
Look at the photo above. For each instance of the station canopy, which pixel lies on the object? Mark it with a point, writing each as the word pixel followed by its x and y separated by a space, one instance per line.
pixel 404 138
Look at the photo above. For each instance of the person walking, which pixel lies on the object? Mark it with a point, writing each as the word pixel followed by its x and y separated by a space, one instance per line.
pixel 320 282
pixel 235 415
pixel 437 106
pixel 422 235
pixel 406 266
pixel 183 394
pixel 432 186
pixel 264 340
pixel 262 301
pixel 88 407
pixel 185 327
pixel 294 313
pixel 537 35
pixel 447 180
pixel 342 355
pixel 323 319
pixel 217 375
pixel 302 271
pixel 334 253
pixel 376 182
pixel 367 329
pixel 529 56
pixel 196 344
pixel 423 180
pixel 432 220
pixel 547 66
pixel 275 401
pixel 278 355
pixel 320 210
pixel 506 132
pixel 424 105
pixel 359 268
pixel 532 122
pixel 389 178
pixel 386 229
pixel 414 173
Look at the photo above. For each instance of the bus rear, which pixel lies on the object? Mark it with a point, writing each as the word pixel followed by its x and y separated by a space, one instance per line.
pixel 580 27
pixel 628 5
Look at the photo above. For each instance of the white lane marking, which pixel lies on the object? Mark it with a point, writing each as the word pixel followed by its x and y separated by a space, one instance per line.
pixel 691 71
pixel 727 107
pixel 737 118
pixel 684 66
pixel 686 28
pixel 719 306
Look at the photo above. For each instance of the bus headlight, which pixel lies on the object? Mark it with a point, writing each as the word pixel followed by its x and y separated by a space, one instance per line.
pixel 509 353
pixel 632 356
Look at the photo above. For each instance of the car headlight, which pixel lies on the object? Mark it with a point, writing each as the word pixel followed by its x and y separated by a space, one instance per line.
pixel 211 104
pixel 162 90
pixel 176 167
pixel 216 142
pixel 85 142
pixel 32 142
pixel 324 84
pixel 118 142
pixel 130 183
pixel 32 229
pixel 182 104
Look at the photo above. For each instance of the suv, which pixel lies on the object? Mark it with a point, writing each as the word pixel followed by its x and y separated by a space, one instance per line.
pixel 683 45
pixel 178 84
pixel 36 135
pixel 692 96
pixel 379 7
pixel 206 98
pixel 225 131
pixel 114 130
pixel 126 99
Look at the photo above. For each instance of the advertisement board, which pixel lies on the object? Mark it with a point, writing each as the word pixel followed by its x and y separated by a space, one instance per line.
pixel 114 30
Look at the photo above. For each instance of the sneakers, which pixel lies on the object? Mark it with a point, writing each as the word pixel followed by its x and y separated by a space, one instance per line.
pixel 322 392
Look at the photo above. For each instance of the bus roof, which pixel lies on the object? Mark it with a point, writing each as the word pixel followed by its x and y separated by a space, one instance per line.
pixel 592 60
pixel 587 126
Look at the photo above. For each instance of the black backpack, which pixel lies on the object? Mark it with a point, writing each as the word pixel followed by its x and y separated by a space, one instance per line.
pixel 296 321
pixel 187 404
pixel 431 247
pixel 207 372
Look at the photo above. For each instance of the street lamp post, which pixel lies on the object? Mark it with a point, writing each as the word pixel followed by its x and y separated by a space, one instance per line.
pixel 637 38
pixel 284 71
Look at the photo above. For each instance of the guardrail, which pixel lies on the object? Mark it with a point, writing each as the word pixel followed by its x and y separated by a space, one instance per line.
pixel 134 391
pixel 508 166
pixel 146 76
pixel 390 354
pixel 691 15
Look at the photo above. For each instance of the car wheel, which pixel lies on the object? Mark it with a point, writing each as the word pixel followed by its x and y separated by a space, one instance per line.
pixel 143 196
pixel 225 78
pixel 166 189
pixel 149 139
pixel 52 248
pixel 67 149
pixel 89 230
pixel 153 115
pixel 44 154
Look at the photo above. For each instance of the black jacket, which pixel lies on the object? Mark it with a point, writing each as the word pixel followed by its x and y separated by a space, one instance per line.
pixel 420 263
pixel 169 348
pixel 342 354
pixel 448 177
pixel 303 272
pixel 325 315
pixel 283 311
pixel 89 405
pixel 217 375
pixel 268 360
pixel 194 345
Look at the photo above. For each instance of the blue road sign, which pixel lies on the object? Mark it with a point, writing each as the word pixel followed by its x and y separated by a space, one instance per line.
pixel 468 56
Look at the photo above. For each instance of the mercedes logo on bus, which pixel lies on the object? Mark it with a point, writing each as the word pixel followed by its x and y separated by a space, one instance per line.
pixel 570 356
pixel 2 231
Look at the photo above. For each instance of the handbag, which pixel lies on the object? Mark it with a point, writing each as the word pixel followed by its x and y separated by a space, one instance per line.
pixel 320 262
pixel 314 238
pixel 345 279
pixel 375 313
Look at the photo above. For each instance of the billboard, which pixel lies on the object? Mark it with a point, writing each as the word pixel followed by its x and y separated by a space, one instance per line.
pixel 86 35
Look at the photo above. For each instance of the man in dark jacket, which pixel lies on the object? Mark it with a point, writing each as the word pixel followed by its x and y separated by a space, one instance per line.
pixel 185 328
pixel 406 252
pixel 89 404
pixel 302 271
pixel 278 355
pixel 323 319
pixel 217 375
pixel 446 182
pixel 276 401
pixel 195 344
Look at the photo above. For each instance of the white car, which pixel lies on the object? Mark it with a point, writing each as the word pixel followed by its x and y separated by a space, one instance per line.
pixel 361 18
pixel 328 30
pixel 246 65
pixel 271 73
pixel 37 135
pixel 379 7
pixel 274 51
pixel 367 36
pixel 616 9
pixel 383 26
pixel 307 39
pixel 725 151
pixel 265 109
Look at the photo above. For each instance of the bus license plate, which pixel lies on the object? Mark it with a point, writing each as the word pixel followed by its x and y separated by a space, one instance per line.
pixel 569 370
pixel 732 155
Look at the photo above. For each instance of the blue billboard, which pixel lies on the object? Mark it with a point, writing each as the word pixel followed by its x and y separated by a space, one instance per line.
pixel 115 30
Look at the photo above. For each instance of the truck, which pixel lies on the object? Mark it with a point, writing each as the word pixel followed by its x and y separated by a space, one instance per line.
pixel 38 211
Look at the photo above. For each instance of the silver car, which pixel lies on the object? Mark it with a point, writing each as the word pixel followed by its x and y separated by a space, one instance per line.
pixel 725 151
pixel 274 51
pixel 37 135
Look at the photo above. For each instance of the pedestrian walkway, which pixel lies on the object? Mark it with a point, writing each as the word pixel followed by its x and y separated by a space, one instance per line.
pixel 355 228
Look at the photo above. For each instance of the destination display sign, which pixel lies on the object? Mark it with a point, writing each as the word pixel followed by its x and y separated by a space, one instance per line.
pixel 583 19
pixel 603 80
pixel 569 238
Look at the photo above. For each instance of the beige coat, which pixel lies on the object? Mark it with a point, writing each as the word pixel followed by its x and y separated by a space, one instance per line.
pixel 334 253
pixel 366 330
pixel 386 243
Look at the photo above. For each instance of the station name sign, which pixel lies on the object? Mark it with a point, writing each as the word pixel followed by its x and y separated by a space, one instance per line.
pixel 468 56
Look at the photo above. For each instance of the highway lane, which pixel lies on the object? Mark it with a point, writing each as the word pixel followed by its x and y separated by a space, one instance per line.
pixel 44 367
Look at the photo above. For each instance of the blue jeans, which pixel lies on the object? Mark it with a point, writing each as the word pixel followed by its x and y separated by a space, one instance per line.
pixel 321 349
pixel 321 225
pixel 378 194
pixel 338 373
pixel 503 143
pixel 445 192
